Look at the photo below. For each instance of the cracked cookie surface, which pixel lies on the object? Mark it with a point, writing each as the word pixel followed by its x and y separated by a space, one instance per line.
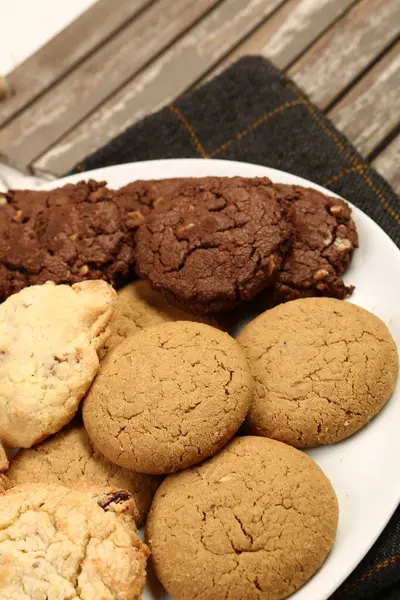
pixel 323 246
pixel 168 397
pixel 61 543
pixel 139 307
pixel 69 234
pixel 49 339
pixel 322 369
pixel 256 522
pixel 215 242
pixel 69 459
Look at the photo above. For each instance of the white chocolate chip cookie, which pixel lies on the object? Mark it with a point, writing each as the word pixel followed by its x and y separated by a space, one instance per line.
pixel 60 543
pixel 49 338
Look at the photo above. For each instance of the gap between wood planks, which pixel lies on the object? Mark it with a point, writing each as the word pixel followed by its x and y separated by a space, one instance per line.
pixel 140 95
pixel 78 41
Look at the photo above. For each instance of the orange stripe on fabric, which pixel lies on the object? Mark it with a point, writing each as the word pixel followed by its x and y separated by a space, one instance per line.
pixel 189 129
pixel 375 569
pixel 254 125
pixel 340 146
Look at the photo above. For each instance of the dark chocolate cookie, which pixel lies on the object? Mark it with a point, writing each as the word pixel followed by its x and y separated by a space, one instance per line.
pixel 82 231
pixel 322 249
pixel 214 242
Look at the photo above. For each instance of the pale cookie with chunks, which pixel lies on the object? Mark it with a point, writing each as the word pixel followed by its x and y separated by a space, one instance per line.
pixel 49 339
pixel 139 307
pixel 57 542
pixel 3 460
pixel 69 459
pixel 322 370
pixel 256 522
pixel 168 397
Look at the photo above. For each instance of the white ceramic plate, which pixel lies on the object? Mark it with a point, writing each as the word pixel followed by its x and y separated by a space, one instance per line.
pixel 364 469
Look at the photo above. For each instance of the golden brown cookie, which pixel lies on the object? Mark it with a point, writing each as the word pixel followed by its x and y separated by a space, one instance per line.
pixel 168 397
pixel 256 522
pixel 139 307
pixel 322 369
pixel 70 459
pixel 60 543
pixel 4 484
pixel 3 460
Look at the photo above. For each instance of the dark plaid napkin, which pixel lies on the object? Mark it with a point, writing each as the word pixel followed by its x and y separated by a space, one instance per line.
pixel 252 113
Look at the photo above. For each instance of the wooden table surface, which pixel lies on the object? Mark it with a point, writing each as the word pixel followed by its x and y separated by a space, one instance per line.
pixel 123 59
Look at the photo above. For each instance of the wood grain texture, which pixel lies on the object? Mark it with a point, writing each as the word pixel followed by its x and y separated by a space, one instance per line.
pixel 371 110
pixel 346 50
pixel 97 78
pixel 387 164
pixel 66 50
pixel 289 31
pixel 167 77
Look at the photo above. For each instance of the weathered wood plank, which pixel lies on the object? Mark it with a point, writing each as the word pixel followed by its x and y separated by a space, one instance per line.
pixel 371 110
pixel 65 51
pixel 347 49
pixel 171 74
pixel 288 32
pixel 97 78
pixel 387 163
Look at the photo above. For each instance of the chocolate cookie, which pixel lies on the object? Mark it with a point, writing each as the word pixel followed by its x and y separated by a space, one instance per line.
pixel 326 237
pixel 254 522
pixel 168 397
pixel 322 370
pixel 77 232
pixel 214 242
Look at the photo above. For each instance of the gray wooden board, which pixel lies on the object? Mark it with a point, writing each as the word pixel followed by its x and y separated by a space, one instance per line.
pixel 371 110
pixel 67 103
pixel 387 163
pixel 172 73
pixel 289 31
pixel 347 49
pixel 65 51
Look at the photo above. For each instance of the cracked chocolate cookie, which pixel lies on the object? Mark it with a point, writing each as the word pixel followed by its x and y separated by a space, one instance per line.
pixel 61 543
pixel 168 397
pixel 323 246
pixel 322 369
pixel 256 522
pixel 49 339
pixel 215 242
pixel 70 459
pixel 140 307
pixel 69 234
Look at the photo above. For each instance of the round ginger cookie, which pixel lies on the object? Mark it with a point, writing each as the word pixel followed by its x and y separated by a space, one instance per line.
pixel 322 369
pixel 323 246
pixel 256 522
pixel 215 242
pixel 139 307
pixel 69 459
pixel 61 543
pixel 168 397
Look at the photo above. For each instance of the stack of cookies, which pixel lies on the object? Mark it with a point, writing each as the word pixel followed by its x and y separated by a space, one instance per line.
pixel 136 406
